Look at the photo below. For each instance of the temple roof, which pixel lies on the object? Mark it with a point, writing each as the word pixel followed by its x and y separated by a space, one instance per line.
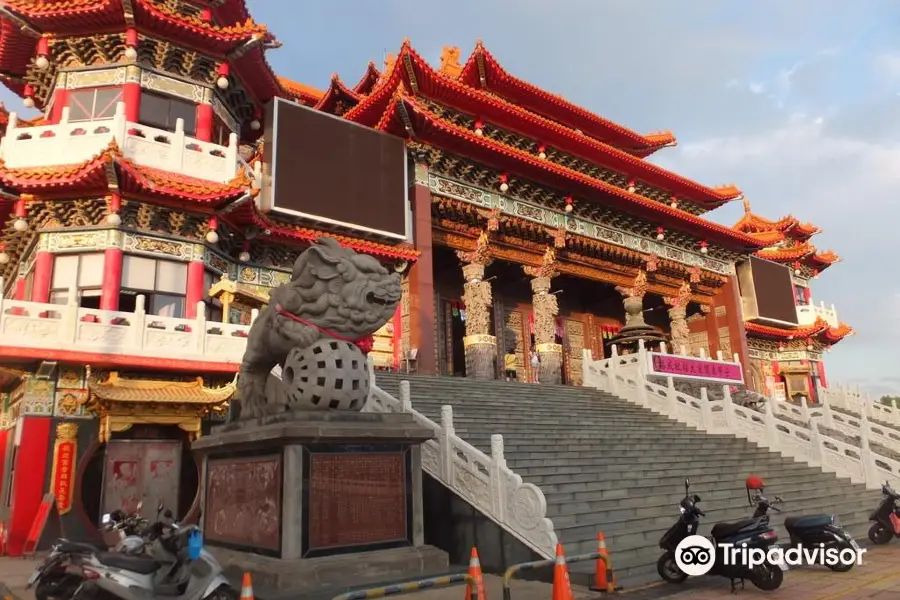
pixel 787 240
pixel 411 74
pixel 116 389
pixel 299 92
pixel 241 42
pixel 95 175
pixel 819 330
pixel 405 117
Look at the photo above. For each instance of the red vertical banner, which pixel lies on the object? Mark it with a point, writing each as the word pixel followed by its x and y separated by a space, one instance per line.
pixel 820 366
pixel 398 337
pixel 62 477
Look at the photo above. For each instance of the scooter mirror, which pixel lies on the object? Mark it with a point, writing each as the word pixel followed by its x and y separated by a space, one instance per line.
pixel 696 498
pixel 687 483
pixel 105 519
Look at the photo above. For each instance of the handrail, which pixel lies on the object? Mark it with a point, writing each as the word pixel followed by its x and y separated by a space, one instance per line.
pixel 410 587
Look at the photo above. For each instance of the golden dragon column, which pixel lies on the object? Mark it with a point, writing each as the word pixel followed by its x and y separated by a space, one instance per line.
pixel 480 345
pixel 545 310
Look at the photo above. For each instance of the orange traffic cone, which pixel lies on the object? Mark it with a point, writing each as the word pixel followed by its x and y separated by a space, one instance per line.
pixel 604 580
pixel 475 573
pixel 246 587
pixel 2 538
pixel 562 588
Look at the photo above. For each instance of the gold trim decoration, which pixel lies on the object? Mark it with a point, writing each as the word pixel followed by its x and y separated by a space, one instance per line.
pixel 548 348
pixel 62 477
pixel 472 340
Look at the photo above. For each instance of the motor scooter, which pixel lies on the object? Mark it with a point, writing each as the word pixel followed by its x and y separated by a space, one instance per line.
pixel 887 517
pixel 823 532
pixel 752 533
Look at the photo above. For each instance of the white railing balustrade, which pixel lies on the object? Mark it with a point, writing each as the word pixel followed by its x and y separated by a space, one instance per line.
pixel 72 143
pixel 68 327
pixel 807 314
pixel 486 482
pixel 794 431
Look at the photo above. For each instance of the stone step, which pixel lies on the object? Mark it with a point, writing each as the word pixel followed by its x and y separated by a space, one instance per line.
pixel 606 464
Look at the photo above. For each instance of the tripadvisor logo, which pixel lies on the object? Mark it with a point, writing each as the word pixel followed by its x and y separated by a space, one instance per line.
pixel 696 555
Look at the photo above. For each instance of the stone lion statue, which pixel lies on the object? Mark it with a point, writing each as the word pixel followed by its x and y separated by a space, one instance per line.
pixel 333 293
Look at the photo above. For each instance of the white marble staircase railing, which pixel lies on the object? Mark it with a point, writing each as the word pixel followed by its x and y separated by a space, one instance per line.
pixel 485 481
pixel 626 377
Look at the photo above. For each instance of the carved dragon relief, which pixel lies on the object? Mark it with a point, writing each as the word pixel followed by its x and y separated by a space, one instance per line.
pixel 545 304
pixel 638 287
pixel 678 316
pixel 477 295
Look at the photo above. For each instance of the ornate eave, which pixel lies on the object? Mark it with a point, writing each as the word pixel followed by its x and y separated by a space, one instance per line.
pixel 457 216
pixel 530 254
pixel 122 403
pixel 338 99
pixel 228 287
pixel 300 93
pixel 820 331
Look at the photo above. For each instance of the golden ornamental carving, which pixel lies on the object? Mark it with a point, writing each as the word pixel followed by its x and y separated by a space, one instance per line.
pixel 545 310
pixel 481 255
pixel 477 297
pixel 493 220
pixel 638 287
pixel 682 298
pixel 67 432
pixel 681 332
pixel 547 268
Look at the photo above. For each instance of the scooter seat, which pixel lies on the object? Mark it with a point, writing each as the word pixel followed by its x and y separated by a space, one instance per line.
pixel 724 530
pixel 137 564
pixel 81 547
pixel 807 522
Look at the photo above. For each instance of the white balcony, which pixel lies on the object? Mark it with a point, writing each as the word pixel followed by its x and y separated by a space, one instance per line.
pixel 71 328
pixel 72 143
pixel 807 314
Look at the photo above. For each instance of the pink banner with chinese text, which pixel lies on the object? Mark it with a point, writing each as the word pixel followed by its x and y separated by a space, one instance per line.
pixel 670 365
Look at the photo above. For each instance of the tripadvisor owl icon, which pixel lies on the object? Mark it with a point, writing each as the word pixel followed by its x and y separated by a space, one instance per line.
pixel 695 555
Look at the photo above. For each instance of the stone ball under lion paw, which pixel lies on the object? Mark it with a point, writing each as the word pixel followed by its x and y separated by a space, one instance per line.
pixel 329 375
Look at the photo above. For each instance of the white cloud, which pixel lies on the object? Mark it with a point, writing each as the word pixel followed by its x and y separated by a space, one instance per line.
pixel 888 65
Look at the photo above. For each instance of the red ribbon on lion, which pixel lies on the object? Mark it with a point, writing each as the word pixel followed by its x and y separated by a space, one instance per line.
pixel 364 344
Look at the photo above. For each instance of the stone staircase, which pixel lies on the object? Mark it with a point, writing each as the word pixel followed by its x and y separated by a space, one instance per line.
pixel 607 465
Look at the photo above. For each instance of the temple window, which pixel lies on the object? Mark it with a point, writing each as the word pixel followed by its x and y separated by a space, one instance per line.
pixel 220 132
pixel 800 295
pixel 162 112
pixel 163 283
pixel 81 271
pixel 213 305
pixel 94 104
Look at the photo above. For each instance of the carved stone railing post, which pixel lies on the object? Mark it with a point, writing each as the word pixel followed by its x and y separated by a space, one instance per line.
pixel 498 481
pixel 870 469
pixel 771 427
pixel 480 346
pixel 678 316
pixel 545 309
pixel 448 432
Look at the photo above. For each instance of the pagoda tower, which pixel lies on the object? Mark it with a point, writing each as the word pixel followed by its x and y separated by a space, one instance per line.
pixel 133 257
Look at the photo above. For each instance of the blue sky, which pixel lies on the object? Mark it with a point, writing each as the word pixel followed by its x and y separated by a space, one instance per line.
pixel 796 102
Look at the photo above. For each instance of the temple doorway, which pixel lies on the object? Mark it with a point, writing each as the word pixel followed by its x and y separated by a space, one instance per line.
pixel 149 464
pixel 453 320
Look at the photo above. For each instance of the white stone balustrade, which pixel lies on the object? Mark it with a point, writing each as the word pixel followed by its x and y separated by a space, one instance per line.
pixel 626 377
pixel 68 327
pixel 808 313
pixel 72 143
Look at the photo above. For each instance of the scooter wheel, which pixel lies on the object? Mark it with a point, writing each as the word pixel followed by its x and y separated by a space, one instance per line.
pixel 879 534
pixel 840 567
pixel 668 569
pixel 767 577
pixel 224 592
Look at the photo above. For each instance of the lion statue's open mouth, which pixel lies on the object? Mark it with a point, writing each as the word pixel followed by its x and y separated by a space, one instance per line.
pixel 373 298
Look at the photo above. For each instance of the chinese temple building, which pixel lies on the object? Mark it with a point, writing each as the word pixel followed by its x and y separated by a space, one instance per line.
pixel 786 362
pixel 134 255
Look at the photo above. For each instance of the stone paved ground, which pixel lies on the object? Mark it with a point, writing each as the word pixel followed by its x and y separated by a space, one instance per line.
pixel 877 579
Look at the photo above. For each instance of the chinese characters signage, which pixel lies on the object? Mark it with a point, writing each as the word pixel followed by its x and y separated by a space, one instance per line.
pixel 65 452
pixel 669 365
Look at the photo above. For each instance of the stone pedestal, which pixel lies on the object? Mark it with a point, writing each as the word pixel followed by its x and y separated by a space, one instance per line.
pixel 317 499
pixel 551 356
pixel 481 355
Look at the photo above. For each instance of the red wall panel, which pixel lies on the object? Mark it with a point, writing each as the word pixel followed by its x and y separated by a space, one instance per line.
pixel 30 474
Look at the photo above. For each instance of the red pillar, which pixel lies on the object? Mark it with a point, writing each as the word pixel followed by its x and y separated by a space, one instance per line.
pixel 131 95
pixel 29 480
pixel 112 279
pixel 43 273
pixel 21 289
pixel 60 101
pixel 734 317
pixel 398 337
pixel 421 285
pixel 204 122
pixel 820 366
pixel 195 292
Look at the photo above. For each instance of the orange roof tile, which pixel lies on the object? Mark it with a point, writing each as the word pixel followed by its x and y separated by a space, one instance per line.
pixel 249 214
pixel 166 392
pixel 368 80
pixel 336 92
pixel 204 34
pixel 483 71
pixel 87 175
pixel 752 223
pixel 298 91
pixel 165 183
pixel 820 330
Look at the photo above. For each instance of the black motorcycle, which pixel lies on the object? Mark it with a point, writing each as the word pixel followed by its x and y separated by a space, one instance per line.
pixel 822 532
pixel 887 517
pixel 752 533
